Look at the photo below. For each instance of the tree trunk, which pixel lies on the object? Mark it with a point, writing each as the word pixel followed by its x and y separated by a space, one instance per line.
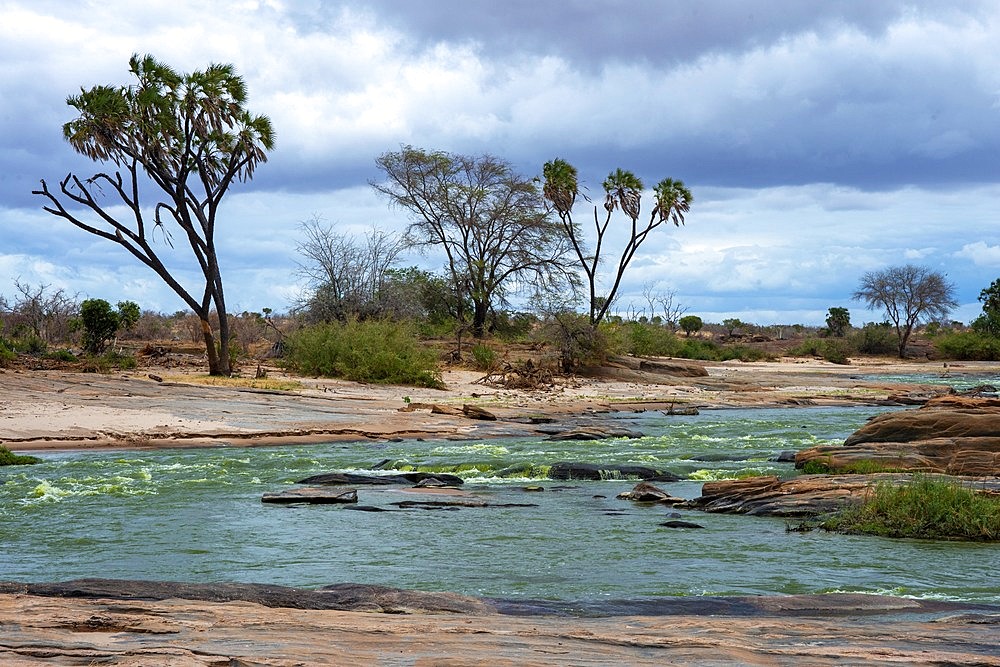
pixel 482 309
pixel 216 366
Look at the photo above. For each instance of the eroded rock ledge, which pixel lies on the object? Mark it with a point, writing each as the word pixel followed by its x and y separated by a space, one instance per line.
pixel 806 495
pixel 954 435
pixel 207 625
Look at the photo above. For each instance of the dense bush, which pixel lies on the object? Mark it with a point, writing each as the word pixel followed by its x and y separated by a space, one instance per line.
pixel 647 340
pixel 108 362
pixel 6 354
pixel 834 350
pixel 927 508
pixel 100 323
pixel 876 339
pixel 370 351
pixel 968 346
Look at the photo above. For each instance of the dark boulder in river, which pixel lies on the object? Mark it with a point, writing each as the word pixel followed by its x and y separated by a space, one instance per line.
pixel 644 492
pixel 565 470
pixel 312 496
pixel 353 479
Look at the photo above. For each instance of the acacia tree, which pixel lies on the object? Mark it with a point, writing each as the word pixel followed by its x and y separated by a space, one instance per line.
pixel 192 137
pixel 908 294
pixel 622 190
pixel 490 221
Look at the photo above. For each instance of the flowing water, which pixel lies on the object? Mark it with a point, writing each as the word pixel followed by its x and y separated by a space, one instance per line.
pixel 195 515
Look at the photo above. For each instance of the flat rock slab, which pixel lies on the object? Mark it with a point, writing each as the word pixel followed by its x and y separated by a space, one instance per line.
pixel 312 495
pixel 128 623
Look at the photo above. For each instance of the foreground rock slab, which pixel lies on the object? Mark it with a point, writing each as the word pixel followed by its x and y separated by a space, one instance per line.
pixel 41 627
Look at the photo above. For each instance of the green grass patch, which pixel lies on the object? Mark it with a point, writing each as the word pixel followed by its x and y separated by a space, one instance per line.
pixel 382 352
pixel 926 508
pixel 9 458
pixel 864 467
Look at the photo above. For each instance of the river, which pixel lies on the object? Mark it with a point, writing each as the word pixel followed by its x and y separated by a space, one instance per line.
pixel 195 515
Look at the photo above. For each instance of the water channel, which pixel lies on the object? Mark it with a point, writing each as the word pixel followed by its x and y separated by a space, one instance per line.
pixel 195 515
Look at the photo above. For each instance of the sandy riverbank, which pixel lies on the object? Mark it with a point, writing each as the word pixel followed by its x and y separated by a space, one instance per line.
pixel 57 410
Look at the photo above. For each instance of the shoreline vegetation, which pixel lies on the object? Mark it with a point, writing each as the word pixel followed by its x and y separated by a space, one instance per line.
pixel 925 507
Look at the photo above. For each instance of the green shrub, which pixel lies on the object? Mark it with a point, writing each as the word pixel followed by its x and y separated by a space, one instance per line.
pixel 834 350
pixel 370 351
pixel 927 508
pixel 968 346
pixel 100 323
pixel 876 339
pixel 690 324
pixel 9 458
pixel 61 355
pixel 513 327
pixel 741 352
pixel 6 355
pixel 648 340
pixel 484 358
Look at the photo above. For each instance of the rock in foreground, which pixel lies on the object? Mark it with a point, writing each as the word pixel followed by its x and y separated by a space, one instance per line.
pixel 127 623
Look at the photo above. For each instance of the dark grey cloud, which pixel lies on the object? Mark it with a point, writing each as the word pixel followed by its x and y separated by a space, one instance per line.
pixel 657 31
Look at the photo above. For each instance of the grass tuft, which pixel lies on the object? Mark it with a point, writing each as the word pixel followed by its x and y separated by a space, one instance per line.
pixel 926 508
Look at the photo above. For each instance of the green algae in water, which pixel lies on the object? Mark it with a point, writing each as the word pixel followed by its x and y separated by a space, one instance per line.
pixel 9 458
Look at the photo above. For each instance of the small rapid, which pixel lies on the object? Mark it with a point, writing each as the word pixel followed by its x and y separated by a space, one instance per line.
pixel 195 515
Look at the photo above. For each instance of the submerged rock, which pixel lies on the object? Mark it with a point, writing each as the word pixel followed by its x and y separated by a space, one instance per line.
pixel 565 470
pixel 312 496
pixel 595 433
pixel 407 478
pixel 680 524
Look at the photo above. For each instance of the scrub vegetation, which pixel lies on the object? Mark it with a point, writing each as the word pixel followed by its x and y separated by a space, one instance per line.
pixel 925 508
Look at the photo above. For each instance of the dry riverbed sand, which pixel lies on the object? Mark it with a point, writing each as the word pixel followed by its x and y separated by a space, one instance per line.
pixel 46 410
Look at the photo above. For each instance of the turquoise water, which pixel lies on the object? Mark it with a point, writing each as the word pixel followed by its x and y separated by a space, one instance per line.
pixel 196 515
pixel 950 377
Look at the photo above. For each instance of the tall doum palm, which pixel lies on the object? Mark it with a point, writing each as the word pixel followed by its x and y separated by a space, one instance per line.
pixel 622 190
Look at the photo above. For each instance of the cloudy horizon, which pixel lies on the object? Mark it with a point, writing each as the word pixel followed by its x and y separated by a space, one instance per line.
pixel 820 141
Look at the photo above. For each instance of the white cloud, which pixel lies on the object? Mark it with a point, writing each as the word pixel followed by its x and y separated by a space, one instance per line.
pixel 980 254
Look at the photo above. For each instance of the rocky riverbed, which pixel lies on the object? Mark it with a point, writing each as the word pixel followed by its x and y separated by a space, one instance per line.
pixel 142 623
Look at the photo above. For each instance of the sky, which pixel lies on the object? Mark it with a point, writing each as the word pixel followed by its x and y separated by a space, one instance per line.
pixel 820 141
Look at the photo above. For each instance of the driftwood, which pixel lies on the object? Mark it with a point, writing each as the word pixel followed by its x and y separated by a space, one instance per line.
pixel 525 375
